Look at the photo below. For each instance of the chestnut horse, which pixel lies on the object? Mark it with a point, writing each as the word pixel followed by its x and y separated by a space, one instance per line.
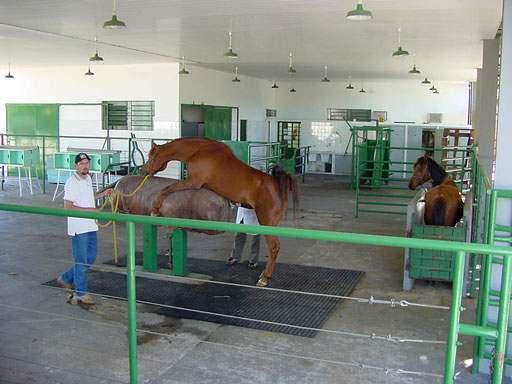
pixel 443 204
pixel 212 165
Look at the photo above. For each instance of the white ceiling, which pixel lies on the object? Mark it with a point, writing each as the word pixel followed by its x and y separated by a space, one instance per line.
pixel 445 36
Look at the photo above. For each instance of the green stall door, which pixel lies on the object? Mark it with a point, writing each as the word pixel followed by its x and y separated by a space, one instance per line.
pixel 33 119
pixel 217 123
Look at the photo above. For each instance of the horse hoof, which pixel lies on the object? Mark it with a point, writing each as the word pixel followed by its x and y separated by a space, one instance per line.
pixel 262 281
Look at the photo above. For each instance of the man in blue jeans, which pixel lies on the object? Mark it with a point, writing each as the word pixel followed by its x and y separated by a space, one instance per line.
pixel 79 195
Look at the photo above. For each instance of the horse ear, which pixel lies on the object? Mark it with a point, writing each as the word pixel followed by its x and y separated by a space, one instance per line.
pixel 427 155
pixel 153 145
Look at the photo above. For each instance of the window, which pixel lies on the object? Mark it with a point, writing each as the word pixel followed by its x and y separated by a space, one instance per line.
pixel 349 114
pixel 128 115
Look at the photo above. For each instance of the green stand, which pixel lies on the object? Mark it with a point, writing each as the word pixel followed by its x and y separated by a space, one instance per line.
pixel 178 254
pixel 177 246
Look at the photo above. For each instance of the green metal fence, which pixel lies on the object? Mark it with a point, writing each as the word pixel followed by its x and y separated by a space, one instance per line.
pixel 490 233
pixel 381 183
pixel 496 333
pixel 131 155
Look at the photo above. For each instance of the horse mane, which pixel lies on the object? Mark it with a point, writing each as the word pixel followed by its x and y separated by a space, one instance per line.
pixel 437 173
pixel 285 183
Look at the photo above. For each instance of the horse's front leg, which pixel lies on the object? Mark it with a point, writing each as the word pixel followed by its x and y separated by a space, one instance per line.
pixel 273 248
pixel 178 186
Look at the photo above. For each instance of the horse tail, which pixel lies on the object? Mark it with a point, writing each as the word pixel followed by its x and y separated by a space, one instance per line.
pixel 286 183
pixel 438 211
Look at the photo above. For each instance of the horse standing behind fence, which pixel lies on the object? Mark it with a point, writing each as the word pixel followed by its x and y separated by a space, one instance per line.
pixel 212 165
pixel 443 204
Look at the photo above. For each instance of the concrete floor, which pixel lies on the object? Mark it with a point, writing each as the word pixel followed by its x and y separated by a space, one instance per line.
pixel 45 340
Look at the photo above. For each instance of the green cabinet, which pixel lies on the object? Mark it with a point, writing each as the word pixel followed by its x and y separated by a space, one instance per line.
pixel 24 156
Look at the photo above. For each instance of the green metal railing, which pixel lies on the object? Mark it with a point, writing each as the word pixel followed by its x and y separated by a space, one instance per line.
pixel 50 144
pixel 455 328
pixel 489 297
pixel 381 176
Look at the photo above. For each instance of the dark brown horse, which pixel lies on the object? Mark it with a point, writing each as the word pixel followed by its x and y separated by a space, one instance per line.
pixel 443 204
pixel 212 165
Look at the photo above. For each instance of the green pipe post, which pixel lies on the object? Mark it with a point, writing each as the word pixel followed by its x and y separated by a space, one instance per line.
pixel 149 253
pixel 486 273
pixel 485 278
pixel 129 155
pixel 132 304
pixel 44 165
pixel 357 181
pixel 451 348
pixel 179 252
pixel 503 312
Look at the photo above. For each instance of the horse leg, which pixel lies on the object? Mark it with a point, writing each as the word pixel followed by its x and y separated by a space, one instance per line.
pixel 273 246
pixel 269 217
pixel 189 183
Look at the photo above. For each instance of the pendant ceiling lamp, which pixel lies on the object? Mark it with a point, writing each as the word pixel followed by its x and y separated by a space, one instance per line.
pixel 414 70
pixel 230 54
pixel 325 79
pixel 426 81
pixel 89 72
pixel 96 57
pixel 114 22
pixel 236 79
pixel 291 69
pixel 9 76
pixel 400 52
pixel 292 90
pixel 183 70
pixel 359 13
pixel 436 92
pixel 274 86
pixel 349 86
pixel 362 90
pixel 432 88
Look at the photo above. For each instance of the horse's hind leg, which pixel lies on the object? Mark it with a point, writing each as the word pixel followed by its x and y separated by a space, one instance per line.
pixel 273 246
pixel 189 183
pixel 269 217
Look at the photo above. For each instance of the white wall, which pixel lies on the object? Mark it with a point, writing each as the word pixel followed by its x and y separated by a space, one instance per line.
pixel 64 85
pixel 404 100
pixel 158 82
pixel 252 96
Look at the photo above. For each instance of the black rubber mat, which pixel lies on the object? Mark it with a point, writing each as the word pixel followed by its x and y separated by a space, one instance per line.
pixel 260 304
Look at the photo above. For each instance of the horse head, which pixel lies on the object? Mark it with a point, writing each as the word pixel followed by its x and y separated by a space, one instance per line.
pixel 426 169
pixel 156 161
pixel 420 173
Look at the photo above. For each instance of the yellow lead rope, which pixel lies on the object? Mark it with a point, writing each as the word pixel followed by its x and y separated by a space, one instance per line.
pixel 113 200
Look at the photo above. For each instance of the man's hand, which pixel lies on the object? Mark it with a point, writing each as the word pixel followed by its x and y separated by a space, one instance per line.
pixel 106 192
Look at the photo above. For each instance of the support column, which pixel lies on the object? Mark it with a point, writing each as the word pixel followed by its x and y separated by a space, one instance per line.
pixel 502 180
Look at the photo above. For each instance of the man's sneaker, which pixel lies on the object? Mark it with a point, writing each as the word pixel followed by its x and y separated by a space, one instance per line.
pixel 62 284
pixel 85 300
